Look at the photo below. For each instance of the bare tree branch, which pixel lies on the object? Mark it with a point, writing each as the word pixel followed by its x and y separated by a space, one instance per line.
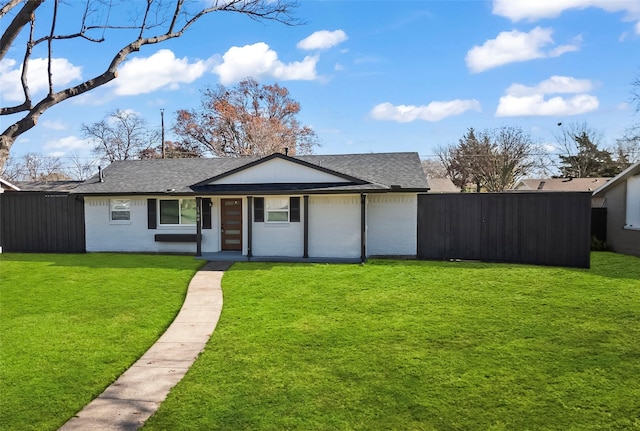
pixel 19 21
pixel 181 20
pixel 8 6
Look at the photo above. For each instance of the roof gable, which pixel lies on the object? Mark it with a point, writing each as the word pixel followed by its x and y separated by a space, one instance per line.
pixel 629 172
pixel 280 169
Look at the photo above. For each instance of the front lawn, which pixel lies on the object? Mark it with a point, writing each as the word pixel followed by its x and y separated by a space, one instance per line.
pixel 71 324
pixel 407 345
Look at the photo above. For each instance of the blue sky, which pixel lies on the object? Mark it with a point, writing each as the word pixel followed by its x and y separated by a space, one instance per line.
pixel 371 76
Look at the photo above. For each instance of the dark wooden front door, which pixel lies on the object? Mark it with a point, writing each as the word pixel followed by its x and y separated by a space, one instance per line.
pixel 231 224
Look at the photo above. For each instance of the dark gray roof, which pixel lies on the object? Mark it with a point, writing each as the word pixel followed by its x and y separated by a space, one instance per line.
pixel 380 171
pixel 47 186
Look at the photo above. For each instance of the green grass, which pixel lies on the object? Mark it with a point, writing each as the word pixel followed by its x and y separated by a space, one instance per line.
pixel 418 346
pixel 71 324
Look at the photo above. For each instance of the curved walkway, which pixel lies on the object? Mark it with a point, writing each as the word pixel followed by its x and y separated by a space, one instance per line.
pixel 137 394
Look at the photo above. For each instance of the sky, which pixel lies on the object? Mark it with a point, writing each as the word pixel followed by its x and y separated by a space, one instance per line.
pixel 370 76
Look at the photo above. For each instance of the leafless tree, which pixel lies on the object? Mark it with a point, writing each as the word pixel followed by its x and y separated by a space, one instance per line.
pixel 146 23
pixel 493 160
pixel 79 169
pixel 627 147
pixel 248 119
pixel 434 168
pixel 34 167
pixel 510 159
pixel 121 135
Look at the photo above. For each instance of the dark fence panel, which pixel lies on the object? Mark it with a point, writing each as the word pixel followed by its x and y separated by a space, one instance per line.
pixel 537 228
pixel 41 222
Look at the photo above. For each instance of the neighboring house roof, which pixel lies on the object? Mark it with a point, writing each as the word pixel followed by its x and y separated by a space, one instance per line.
pixel 375 172
pixel 48 186
pixel 442 185
pixel 622 176
pixel 6 185
pixel 561 184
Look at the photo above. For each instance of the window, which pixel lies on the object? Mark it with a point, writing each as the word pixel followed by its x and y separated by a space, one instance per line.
pixel 119 210
pixel 178 211
pixel 633 203
pixel 277 210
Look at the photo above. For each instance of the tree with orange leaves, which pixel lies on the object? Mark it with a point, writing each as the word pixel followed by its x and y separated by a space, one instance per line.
pixel 248 119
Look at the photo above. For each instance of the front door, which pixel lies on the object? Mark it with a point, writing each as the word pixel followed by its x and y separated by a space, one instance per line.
pixel 231 224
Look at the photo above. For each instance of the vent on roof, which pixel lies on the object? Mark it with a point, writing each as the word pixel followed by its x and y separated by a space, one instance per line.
pixel 541 185
pixel 395 186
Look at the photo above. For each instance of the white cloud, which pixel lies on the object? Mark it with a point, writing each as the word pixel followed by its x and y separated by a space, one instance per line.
pixel 515 46
pixel 532 10
pixel 258 61
pixel 512 106
pixel 521 100
pixel 548 147
pixel 67 144
pixel 554 85
pixel 144 75
pixel 11 88
pixel 434 111
pixel 322 39
pixel 637 27
pixel 54 125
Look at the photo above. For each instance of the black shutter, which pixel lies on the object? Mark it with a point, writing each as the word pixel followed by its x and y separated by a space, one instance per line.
pixel 151 214
pixel 258 209
pixel 294 209
pixel 206 213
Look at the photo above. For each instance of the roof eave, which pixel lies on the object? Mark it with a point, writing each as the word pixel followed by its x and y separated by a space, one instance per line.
pixel 630 171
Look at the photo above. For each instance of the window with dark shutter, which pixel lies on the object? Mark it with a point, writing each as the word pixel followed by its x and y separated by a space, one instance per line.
pixel 152 219
pixel 206 213
pixel 258 209
pixel 294 209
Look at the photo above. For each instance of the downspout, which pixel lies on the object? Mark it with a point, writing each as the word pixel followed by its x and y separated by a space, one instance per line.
pixel 249 224
pixel 363 227
pixel 198 226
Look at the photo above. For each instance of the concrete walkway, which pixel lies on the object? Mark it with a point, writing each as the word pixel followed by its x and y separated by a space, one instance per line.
pixel 137 394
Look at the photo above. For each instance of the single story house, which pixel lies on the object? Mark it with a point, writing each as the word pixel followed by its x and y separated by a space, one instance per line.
pixel 621 197
pixel 442 185
pixel 562 185
pixel 311 207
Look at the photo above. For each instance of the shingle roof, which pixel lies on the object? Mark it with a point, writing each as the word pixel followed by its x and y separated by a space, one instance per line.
pixel 380 171
pixel 561 184
pixel 47 186
pixel 442 185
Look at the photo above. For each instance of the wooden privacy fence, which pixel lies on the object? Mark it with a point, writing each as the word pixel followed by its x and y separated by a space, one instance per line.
pixel 536 228
pixel 41 222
